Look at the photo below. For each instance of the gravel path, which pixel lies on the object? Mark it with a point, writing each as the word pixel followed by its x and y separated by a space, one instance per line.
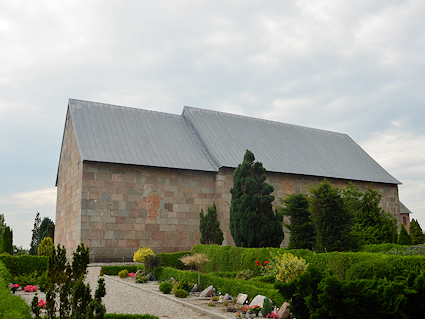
pixel 124 296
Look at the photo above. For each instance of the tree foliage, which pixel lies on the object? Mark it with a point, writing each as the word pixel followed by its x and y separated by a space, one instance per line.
pixel 404 237
pixel 331 219
pixel 35 235
pixel 371 224
pixel 209 227
pixel 416 232
pixel 2 225
pixel 46 246
pixel 47 229
pixel 252 220
pixel 302 230
pixel 6 242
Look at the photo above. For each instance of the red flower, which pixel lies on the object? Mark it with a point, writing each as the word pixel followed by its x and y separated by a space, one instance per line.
pixel 267 266
pixel 258 263
pixel 266 262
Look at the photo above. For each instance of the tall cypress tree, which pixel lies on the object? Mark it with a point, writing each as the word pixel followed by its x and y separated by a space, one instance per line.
pixel 209 227
pixel 301 226
pixel 35 235
pixel 6 245
pixel 252 220
pixel 404 237
pixel 416 232
pixel 331 219
pixel 46 230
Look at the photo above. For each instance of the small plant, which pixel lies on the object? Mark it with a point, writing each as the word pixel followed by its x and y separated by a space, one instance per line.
pixel 151 262
pixel 195 260
pixel 267 307
pixel 256 308
pixel 123 273
pixel 14 287
pixel 166 287
pixel 287 267
pixel 30 288
pixel 273 315
pixel 263 267
pixel 211 304
pixel 185 285
pixel 215 298
pixel 140 255
pixel 132 275
pixel 141 278
pixel 180 293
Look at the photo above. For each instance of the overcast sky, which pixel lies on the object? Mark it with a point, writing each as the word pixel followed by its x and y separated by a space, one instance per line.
pixel 355 67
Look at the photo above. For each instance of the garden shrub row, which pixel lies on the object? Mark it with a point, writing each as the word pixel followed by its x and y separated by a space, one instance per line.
pixel 23 265
pixel 225 285
pixel 114 270
pixel 11 306
pixel 343 264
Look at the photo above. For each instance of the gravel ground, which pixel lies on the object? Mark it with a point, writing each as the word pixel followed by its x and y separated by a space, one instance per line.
pixel 124 296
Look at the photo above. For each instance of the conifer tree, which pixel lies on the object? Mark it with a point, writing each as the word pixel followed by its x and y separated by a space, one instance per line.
pixel 35 234
pixel 416 232
pixel 6 244
pixel 252 220
pixel 209 227
pixel 2 225
pixel 47 228
pixel 331 219
pixel 302 230
pixel 404 237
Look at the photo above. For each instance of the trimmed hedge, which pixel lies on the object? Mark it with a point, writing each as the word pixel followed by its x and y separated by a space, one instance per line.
pixel 123 316
pixel 11 306
pixel 23 265
pixel 114 270
pixel 225 285
pixel 382 248
pixel 173 259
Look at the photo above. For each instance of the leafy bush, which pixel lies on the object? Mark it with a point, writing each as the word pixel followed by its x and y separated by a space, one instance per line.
pixel 123 273
pixel 185 285
pixel 141 278
pixel 22 265
pixel 124 316
pixel 380 248
pixel 140 255
pixel 180 293
pixel 46 246
pixel 166 287
pixel 287 267
pixel 114 270
pixel 151 262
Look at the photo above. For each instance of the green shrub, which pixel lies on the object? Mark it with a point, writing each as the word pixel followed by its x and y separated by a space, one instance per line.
pixel 114 270
pixel 151 262
pixel 173 259
pixel 22 265
pixel 166 287
pixel 123 273
pixel 124 316
pixel 267 307
pixel 180 293
pixel 244 274
pixel 46 246
pixel 287 267
pixel 141 278
pixel 140 255
pixel 380 248
pixel 11 306
pixel 185 285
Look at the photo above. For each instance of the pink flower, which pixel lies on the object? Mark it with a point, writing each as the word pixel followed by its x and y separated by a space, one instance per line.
pixel 30 288
pixel 272 315
pixel 132 275
pixel 16 286
pixel 41 303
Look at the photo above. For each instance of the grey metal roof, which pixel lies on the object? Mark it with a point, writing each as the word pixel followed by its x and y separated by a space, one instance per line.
pixel 207 140
pixel 283 147
pixel 116 134
pixel 404 209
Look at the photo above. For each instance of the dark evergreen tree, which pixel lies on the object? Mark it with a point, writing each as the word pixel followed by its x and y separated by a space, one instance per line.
pixel 416 233
pixel 252 220
pixel 404 237
pixel 6 244
pixel 302 230
pixel 331 219
pixel 2 225
pixel 209 227
pixel 371 224
pixel 35 234
pixel 46 230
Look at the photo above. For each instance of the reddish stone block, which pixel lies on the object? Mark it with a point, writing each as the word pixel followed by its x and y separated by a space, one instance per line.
pixel 120 220
pixel 133 243
pixel 157 235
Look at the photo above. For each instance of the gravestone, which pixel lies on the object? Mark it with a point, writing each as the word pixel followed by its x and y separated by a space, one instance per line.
pixel 206 291
pixel 241 299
